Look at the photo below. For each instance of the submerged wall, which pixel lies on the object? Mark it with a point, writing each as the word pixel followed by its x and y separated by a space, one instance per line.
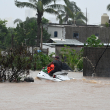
pixel 93 54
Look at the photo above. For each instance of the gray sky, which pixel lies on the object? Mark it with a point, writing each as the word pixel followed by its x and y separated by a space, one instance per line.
pixel 95 9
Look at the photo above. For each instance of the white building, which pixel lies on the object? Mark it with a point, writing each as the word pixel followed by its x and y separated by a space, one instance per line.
pixel 57 37
pixel 57 31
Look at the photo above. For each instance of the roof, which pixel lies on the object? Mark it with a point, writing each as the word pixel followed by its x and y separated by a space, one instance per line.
pixel 57 41
pixel 71 25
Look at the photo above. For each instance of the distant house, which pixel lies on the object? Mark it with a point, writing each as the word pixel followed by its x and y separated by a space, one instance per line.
pixel 81 33
pixel 60 43
pixel 74 35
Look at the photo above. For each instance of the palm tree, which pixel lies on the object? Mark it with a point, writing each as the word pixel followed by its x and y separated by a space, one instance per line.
pixel 108 7
pixel 41 6
pixel 68 11
pixel 78 18
pixel 64 15
pixel 18 20
pixel 73 12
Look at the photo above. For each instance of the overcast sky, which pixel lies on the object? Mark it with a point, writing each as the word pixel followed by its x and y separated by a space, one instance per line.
pixel 95 9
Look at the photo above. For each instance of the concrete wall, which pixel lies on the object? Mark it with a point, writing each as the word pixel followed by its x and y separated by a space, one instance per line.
pixel 50 49
pixel 60 30
pixel 93 54
pixel 85 32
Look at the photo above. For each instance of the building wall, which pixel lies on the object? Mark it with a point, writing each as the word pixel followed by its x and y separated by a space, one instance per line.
pixel 50 49
pixel 85 32
pixel 60 30
pixel 94 54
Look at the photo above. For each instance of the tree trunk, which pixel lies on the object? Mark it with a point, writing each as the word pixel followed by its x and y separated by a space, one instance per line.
pixel 41 37
pixel 39 18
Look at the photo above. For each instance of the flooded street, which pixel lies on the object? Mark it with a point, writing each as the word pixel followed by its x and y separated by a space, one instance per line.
pixel 81 93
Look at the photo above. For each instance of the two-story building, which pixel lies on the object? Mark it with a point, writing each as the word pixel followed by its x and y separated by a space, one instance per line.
pixel 76 36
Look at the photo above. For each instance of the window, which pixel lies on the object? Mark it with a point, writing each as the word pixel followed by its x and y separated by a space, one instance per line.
pixel 96 34
pixel 75 35
pixel 55 34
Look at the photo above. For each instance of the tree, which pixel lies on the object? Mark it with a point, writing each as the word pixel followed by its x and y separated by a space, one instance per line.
pixel 3 33
pixel 65 14
pixel 26 32
pixel 108 7
pixel 71 14
pixel 40 6
pixel 27 19
pixel 8 38
pixel 78 18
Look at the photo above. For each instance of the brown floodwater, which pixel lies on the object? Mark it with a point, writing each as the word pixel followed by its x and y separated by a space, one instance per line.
pixel 81 93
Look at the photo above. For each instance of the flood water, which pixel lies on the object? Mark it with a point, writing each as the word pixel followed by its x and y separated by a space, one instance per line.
pixel 81 93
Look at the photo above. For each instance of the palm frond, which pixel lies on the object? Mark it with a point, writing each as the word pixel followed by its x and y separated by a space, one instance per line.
pixel 34 1
pixel 56 6
pixel 63 14
pixel 80 15
pixel 40 6
pixel 25 4
pixel 59 17
pixel 80 22
pixel 47 2
pixel 51 11
pixel 73 7
pixel 61 11
pixel 65 19
pixel 108 7
pixel 18 20
pixel 67 2
pixel 69 12
pixel 76 8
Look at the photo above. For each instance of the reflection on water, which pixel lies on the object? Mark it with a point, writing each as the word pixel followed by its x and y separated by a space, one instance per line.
pixel 81 93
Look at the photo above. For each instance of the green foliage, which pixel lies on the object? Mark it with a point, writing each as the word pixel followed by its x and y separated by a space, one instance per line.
pixel 27 31
pixel 18 62
pixel 46 36
pixel 3 33
pixel 45 21
pixel 71 14
pixel 93 41
pixel 8 37
pixel 40 60
pixel 40 7
pixel 71 57
pixel 107 24
pixel 14 65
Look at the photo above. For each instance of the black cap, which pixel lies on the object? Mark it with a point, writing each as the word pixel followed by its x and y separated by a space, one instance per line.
pixel 57 57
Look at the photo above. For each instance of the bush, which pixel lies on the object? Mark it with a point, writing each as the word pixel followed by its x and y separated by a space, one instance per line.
pixel 93 41
pixel 71 57
pixel 14 65
pixel 40 60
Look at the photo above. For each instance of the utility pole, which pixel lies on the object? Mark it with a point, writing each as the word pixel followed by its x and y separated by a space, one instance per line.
pixel 86 16
pixel 86 24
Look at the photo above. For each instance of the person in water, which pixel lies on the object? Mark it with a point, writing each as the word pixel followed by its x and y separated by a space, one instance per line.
pixel 56 65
